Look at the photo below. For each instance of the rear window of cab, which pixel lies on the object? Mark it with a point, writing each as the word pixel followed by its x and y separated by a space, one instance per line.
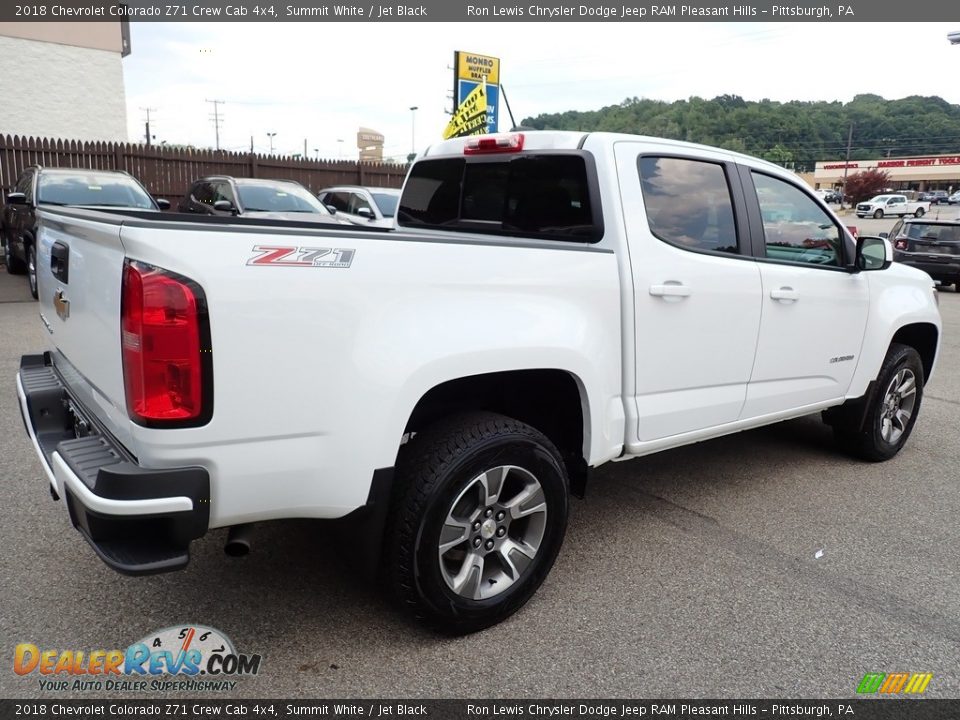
pixel 550 196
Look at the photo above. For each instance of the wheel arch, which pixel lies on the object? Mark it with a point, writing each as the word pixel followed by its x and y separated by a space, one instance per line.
pixel 922 337
pixel 551 400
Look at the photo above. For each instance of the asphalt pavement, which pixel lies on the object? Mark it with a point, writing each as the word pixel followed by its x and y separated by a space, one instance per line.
pixel 761 564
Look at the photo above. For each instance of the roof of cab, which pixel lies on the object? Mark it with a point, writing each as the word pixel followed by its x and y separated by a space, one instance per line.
pixel 573 140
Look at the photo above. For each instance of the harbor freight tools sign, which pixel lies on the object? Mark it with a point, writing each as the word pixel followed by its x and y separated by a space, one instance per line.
pixel 471 70
pixel 471 117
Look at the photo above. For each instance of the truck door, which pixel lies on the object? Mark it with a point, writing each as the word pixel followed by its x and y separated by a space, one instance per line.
pixel 696 287
pixel 814 310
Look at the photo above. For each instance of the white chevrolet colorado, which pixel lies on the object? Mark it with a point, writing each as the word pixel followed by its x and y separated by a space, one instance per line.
pixel 549 302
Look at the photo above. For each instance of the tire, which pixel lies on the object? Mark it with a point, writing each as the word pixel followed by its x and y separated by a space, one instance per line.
pixel 13 265
pixel 32 269
pixel 877 214
pixel 918 213
pixel 874 428
pixel 451 483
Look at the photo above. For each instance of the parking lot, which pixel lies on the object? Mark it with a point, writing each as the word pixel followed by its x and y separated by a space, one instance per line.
pixel 696 572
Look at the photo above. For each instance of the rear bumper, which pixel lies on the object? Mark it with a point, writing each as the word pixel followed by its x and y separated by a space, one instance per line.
pixel 138 521
pixel 945 270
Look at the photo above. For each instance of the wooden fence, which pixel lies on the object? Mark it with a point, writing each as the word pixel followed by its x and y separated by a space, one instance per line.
pixel 167 172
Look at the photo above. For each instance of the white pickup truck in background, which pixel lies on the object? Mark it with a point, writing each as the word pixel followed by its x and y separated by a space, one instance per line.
pixel 898 205
pixel 549 302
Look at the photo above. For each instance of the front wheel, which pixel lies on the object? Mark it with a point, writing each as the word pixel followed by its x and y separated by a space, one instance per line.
pixel 878 214
pixel 478 518
pixel 876 427
pixel 32 269
pixel 14 266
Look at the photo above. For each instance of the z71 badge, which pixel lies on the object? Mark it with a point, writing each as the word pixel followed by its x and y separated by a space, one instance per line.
pixel 276 256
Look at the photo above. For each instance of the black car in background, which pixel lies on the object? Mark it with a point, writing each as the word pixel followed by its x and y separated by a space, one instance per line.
pixel 938 196
pixel 929 245
pixel 833 196
pixel 76 187
pixel 250 197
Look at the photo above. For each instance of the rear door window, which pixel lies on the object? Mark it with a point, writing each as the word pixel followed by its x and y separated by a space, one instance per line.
pixel 531 195
pixel 688 203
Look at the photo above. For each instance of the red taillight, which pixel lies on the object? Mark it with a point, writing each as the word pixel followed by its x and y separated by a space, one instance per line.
pixel 165 366
pixel 486 144
pixel 900 244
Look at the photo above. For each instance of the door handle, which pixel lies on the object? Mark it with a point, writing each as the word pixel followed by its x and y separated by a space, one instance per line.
pixel 785 293
pixel 670 289
pixel 60 262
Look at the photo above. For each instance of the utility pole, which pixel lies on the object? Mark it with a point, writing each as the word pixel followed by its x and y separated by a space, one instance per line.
pixel 305 156
pixel 846 166
pixel 147 126
pixel 217 118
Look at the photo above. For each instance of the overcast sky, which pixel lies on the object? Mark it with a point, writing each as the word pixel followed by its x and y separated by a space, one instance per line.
pixel 321 82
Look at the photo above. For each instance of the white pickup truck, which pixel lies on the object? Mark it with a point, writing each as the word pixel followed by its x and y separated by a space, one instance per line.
pixel 897 205
pixel 550 302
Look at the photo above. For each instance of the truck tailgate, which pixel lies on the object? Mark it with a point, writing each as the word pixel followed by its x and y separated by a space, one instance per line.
pixel 79 275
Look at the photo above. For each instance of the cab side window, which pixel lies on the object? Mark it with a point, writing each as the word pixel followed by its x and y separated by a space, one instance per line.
pixel 25 186
pixel 795 228
pixel 203 193
pixel 688 204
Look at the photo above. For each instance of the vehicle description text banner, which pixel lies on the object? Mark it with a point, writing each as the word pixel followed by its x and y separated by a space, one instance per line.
pixel 883 709
pixel 478 10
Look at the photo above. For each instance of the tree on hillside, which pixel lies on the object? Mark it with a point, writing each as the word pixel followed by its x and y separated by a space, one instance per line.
pixel 864 185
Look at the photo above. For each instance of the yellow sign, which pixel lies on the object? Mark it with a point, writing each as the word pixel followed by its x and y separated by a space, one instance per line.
pixel 471 117
pixel 478 68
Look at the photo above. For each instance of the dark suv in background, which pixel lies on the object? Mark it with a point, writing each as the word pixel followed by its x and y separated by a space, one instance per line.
pixel 61 186
pixel 929 245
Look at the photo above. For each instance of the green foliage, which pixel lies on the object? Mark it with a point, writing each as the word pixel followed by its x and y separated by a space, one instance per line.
pixel 864 185
pixel 795 134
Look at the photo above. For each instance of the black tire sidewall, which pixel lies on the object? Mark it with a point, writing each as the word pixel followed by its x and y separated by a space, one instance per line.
pixel 904 357
pixel 523 452
pixel 33 281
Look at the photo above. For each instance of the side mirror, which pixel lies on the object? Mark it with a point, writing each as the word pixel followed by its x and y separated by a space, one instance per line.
pixel 162 204
pixel 16 198
pixel 332 209
pixel 884 235
pixel 873 253
pixel 365 213
pixel 224 206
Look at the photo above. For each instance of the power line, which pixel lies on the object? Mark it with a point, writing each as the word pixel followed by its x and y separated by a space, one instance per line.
pixel 148 110
pixel 217 118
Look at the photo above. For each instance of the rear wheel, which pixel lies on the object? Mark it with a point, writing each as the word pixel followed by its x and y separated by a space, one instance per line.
pixel 919 212
pixel 878 214
pixel 877 426
pixel 478 519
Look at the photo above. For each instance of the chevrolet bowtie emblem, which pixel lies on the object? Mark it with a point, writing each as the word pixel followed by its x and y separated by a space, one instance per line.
pixel 62 305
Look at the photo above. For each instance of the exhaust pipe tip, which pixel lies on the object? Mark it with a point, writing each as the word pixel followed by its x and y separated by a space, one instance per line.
pixel 238 540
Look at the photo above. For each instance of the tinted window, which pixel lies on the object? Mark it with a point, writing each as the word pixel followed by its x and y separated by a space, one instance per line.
pixel 278 197
pixel 222 191
pixel 387 203
pixel 203 192
pixel 534 195
pixel 357 203
pixel 688 203
pixel 97 189
pixel 340 200
pixel 795 228
pixel 25 185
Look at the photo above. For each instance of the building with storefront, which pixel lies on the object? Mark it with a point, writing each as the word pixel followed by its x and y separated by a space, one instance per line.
pixel 928 172
pixel 64 79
